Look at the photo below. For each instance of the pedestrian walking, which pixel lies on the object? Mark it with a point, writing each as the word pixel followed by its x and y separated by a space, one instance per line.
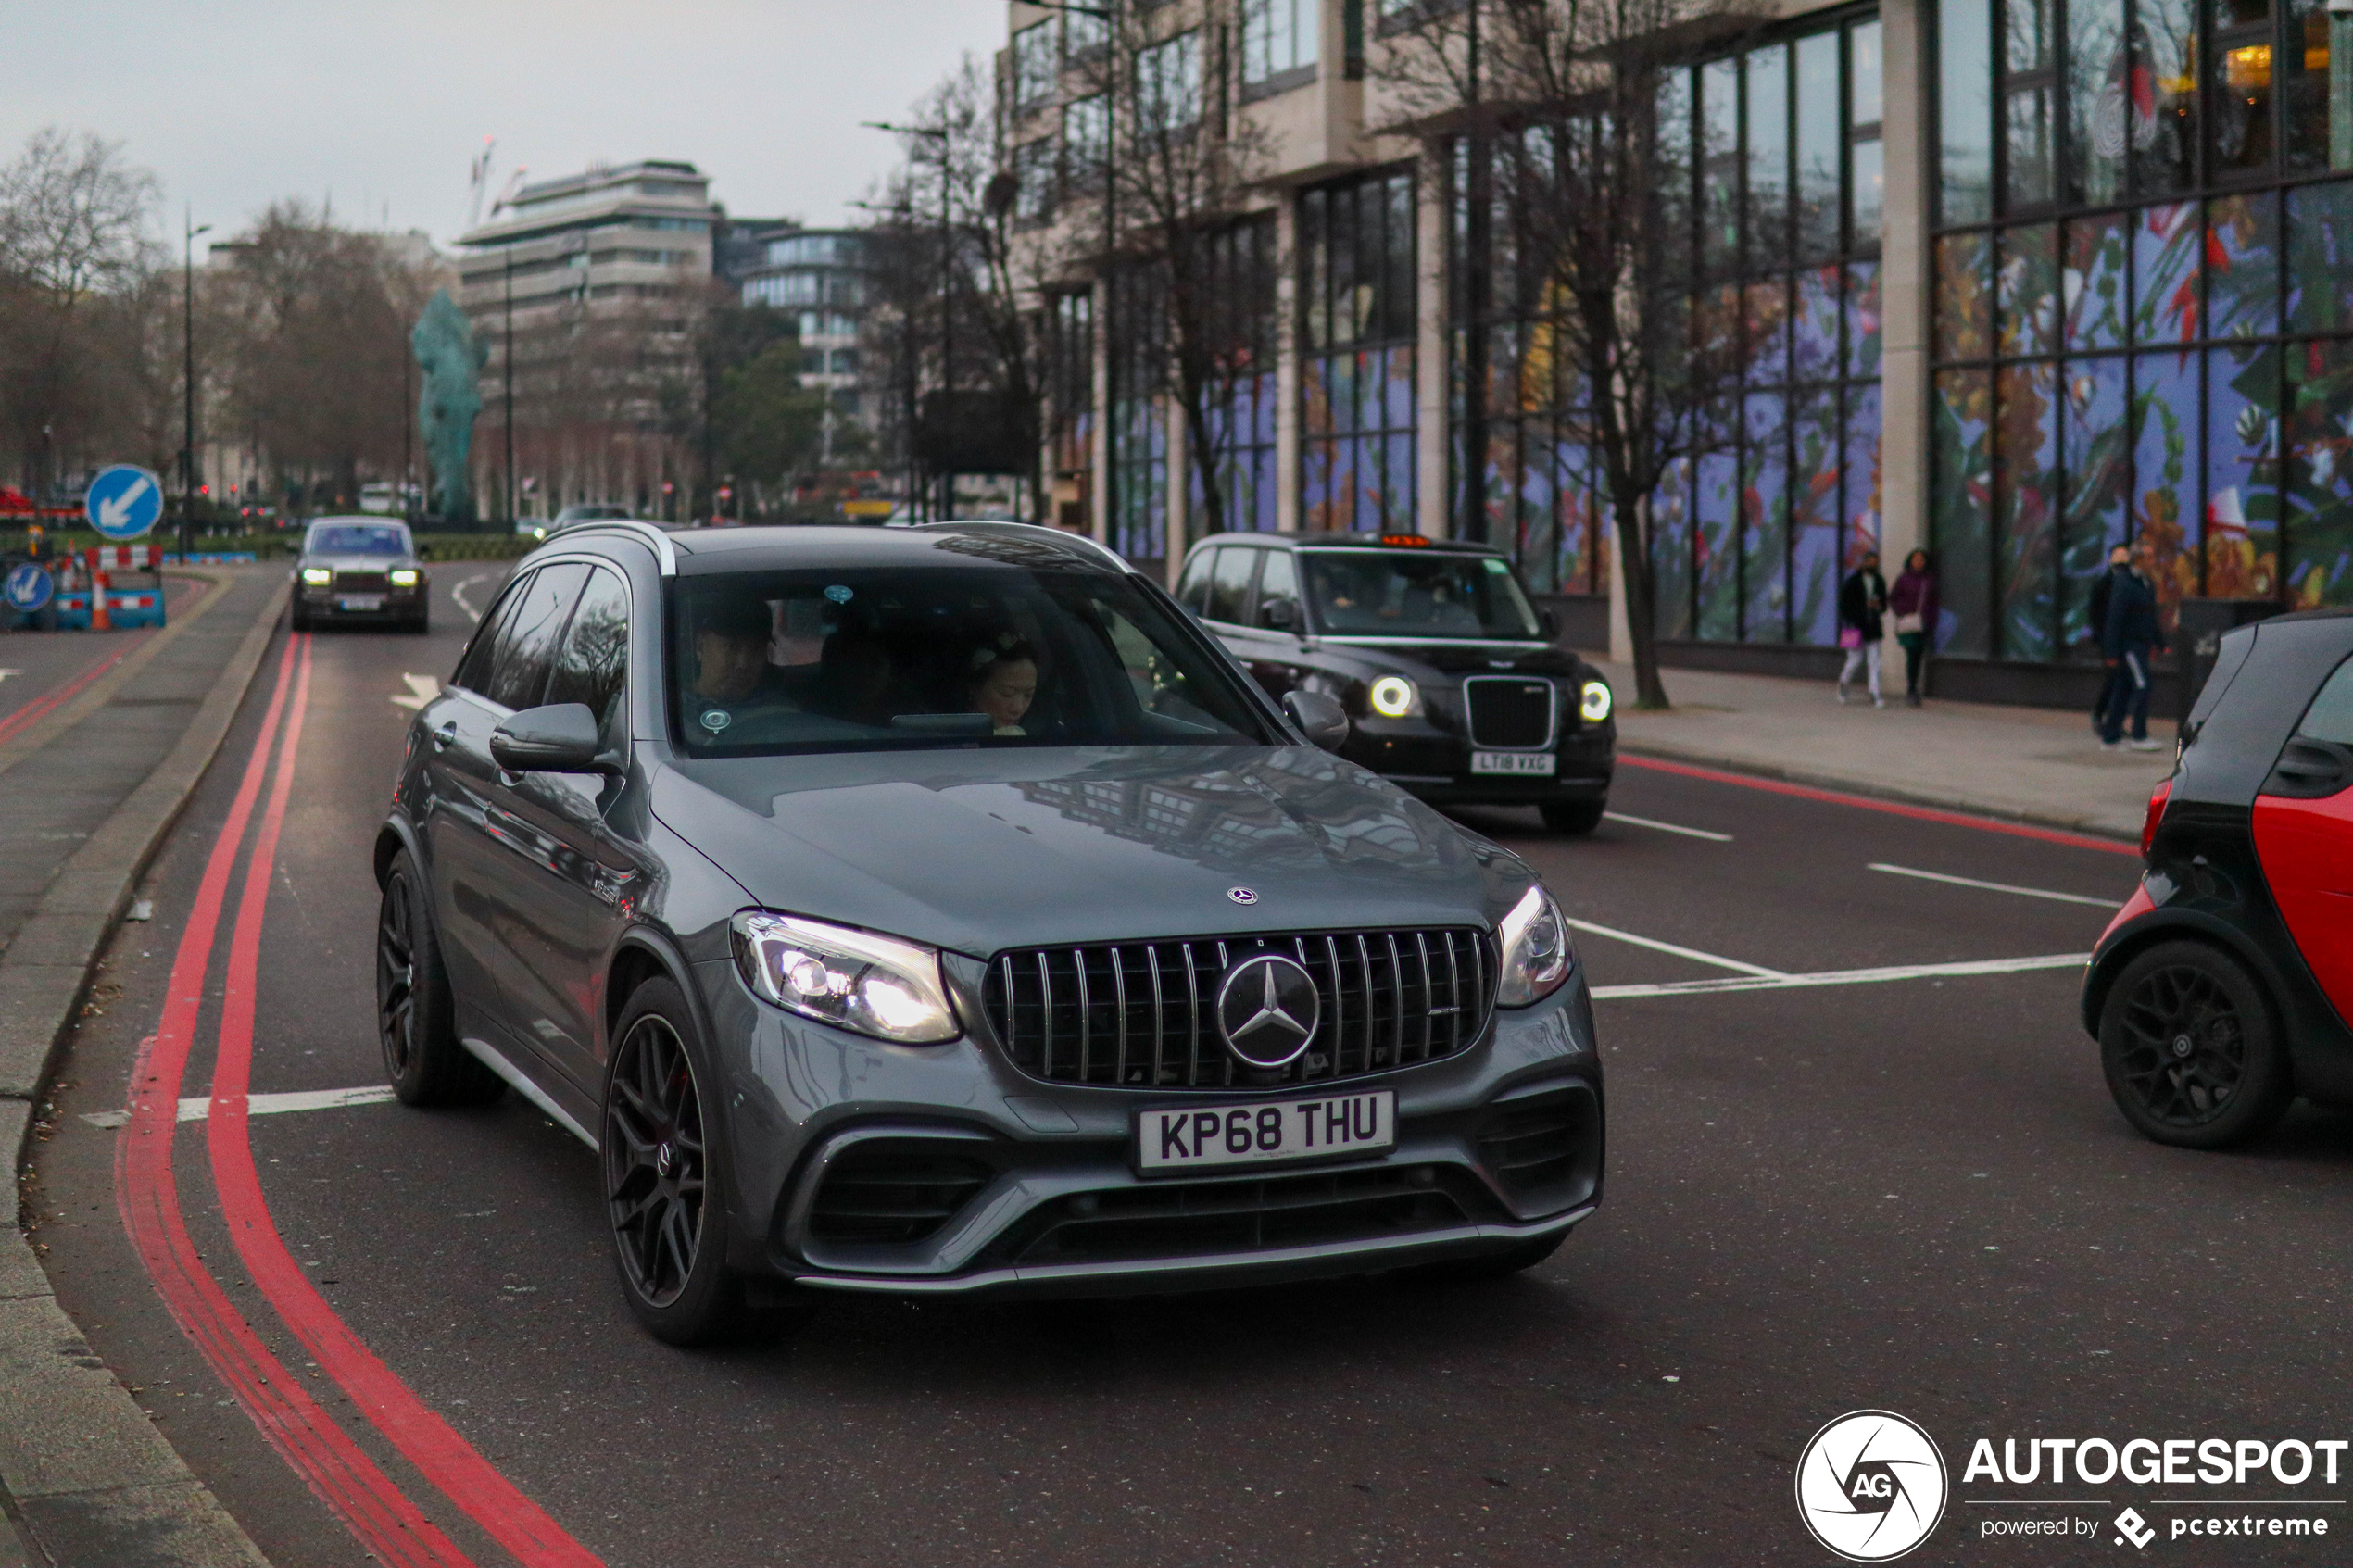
pixel 2119 558
pixel 1862 611
pixel 1914 602
pixel 2129 635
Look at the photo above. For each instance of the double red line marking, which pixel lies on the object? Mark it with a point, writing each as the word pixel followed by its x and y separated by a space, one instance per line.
pixel 32 712
pixel 384 1519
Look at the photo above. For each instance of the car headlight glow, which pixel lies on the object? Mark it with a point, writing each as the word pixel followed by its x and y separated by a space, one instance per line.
pixel 1595 702
pixel 404 577
pixel 1536 956
pixel 317 576
pixel 1394 696
pixel 854 979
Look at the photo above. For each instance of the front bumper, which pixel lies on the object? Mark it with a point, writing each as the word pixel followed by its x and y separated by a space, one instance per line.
pixel 944 1170
pixel 1434 765
pixel 396 604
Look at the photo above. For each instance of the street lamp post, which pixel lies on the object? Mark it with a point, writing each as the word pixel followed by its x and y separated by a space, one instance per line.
pixel 1478 243
pixel 190 229
pixel 509 355
pixel 905 215
pixel 942 135
pixel 1109 16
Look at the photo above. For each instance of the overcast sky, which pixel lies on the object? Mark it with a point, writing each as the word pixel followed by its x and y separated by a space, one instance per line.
pixel 234 103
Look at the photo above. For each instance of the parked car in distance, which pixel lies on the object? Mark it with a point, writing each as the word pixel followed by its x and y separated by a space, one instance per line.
pixel 2223 989
pixel 360 570
pixel 1454 689
pixel 938 910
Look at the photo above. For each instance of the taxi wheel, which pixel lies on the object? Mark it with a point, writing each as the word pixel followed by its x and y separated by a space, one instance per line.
pixel 1575 816
pixel 424 1061
pixel 2191 1051
pixel 662 1164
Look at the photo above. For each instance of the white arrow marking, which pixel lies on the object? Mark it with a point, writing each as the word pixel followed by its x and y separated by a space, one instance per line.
pixel 115 512
pixel 198 1108
pixel 422 690
pixel 5 673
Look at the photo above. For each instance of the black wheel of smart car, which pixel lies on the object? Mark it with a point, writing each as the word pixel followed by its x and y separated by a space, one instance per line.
pixel 669 1223
pixel 1574 816
pixel 2190 1050
pixel 424 1061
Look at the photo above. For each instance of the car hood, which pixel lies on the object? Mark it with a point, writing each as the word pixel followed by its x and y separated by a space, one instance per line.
pixel 978 851
pixel 357 563
pixel 1453 658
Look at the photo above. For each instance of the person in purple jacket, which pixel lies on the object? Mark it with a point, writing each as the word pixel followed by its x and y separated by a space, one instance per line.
pixel 1913 601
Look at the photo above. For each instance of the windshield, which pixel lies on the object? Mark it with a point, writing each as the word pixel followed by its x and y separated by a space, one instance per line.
pixel 357 539
pixel 857 659
pixel 593 514
pixel 1400 593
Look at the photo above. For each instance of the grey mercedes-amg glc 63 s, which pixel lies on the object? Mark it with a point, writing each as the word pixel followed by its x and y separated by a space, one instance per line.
pixel 940 910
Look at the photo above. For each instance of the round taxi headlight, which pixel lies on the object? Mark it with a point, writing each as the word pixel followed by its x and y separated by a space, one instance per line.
pixel 1391 696
pixel 1595 702
pixel 317 576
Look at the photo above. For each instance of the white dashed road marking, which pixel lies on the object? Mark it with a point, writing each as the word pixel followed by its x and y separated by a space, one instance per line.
pixel 1999 886
pixel 1668 827
pixel 1847 976
pixel 1656 946
pixel 457 595
pixel 197 1108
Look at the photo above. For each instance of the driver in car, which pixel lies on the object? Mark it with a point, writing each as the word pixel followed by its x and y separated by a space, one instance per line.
pixel 732 668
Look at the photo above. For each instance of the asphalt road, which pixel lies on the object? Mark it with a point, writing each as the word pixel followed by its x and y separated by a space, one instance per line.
pixel 1910 1194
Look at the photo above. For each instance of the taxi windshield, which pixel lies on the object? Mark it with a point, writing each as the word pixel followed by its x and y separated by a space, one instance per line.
pixel 1403 593
pixel 899 657
pixel 357 539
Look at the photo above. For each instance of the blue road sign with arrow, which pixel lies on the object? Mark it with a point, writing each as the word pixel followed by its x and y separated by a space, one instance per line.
pixel 29 588
pixel 124 502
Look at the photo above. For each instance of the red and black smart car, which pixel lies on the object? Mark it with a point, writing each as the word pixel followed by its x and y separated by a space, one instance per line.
pixel 2224 989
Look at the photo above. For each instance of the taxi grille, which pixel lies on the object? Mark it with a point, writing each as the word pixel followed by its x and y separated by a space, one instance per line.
pixel 1509 711
pixel 362 581
pixel 1143 1014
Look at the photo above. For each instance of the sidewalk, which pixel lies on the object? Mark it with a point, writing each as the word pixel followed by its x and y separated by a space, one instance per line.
pixel 89 784
pixel 2035 765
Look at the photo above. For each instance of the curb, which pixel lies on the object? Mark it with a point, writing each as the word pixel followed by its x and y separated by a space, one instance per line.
pixel 1876 789
pixel 93 1481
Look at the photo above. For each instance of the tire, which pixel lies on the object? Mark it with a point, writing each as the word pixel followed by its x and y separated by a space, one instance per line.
pixel 421 624
pixel 1515 1259
pixel 2190 1050
pixel 424 1061
pixel 1574 817
pixel 297 621
pixel 661 1146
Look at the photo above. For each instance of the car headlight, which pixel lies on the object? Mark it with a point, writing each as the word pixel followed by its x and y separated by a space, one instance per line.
pixel 1535 950
pixel 1394 696
pixel 1594 702
pixel 855 980
pixel 405 577
pixel 317 576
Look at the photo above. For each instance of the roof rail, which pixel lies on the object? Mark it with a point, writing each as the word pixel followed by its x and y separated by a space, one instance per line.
pixel 1122 562
pixel 644 532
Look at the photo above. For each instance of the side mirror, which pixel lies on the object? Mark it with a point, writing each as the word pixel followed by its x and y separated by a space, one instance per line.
pixel 1320 717
pixel 1281 615
pixel 1549 624
pixel 559 738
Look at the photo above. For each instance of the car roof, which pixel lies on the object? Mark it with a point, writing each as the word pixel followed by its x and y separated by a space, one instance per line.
pixel 1338 540
pixel 373 519
pixel 702 551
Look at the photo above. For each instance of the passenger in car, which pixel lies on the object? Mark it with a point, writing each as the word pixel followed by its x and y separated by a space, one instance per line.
pixel 731 651
pixel 858 678
pixel 1002 683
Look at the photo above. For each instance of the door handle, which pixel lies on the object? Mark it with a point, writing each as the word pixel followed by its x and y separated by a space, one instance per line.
pixel 2310 770
pixel 444 733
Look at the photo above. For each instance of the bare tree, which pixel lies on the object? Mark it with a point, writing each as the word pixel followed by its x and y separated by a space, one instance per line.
pixel 1559 105
pixel 74 229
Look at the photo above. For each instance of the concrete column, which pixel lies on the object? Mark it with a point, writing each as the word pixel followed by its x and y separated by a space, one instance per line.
pixel 1287 363
pixel 1180 491
pixel 1904 302
pixel 1429 359
pixel 1099 504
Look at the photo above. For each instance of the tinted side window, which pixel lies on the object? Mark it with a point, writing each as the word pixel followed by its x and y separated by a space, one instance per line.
pixel 1229 585
pixel 2331 716
pixel 527 641
pixel 1278 580
pixel 594 654
pixel 1193 592
pixel 473 671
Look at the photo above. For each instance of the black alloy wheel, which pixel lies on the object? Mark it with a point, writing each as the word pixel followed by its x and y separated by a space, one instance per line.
pixel 669 1223
pixel 2190 1050
pixel 424 1061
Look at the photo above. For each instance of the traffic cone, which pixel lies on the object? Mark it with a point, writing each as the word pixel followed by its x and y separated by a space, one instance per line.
pixel 99 619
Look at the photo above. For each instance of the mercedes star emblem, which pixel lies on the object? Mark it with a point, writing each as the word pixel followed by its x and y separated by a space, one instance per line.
pixel 1242 894
pixel 1267 1009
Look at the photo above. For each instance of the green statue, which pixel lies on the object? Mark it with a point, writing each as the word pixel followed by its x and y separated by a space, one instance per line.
pixel 452 363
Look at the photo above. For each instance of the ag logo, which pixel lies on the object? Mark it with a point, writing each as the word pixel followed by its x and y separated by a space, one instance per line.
pixel 1870 1485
